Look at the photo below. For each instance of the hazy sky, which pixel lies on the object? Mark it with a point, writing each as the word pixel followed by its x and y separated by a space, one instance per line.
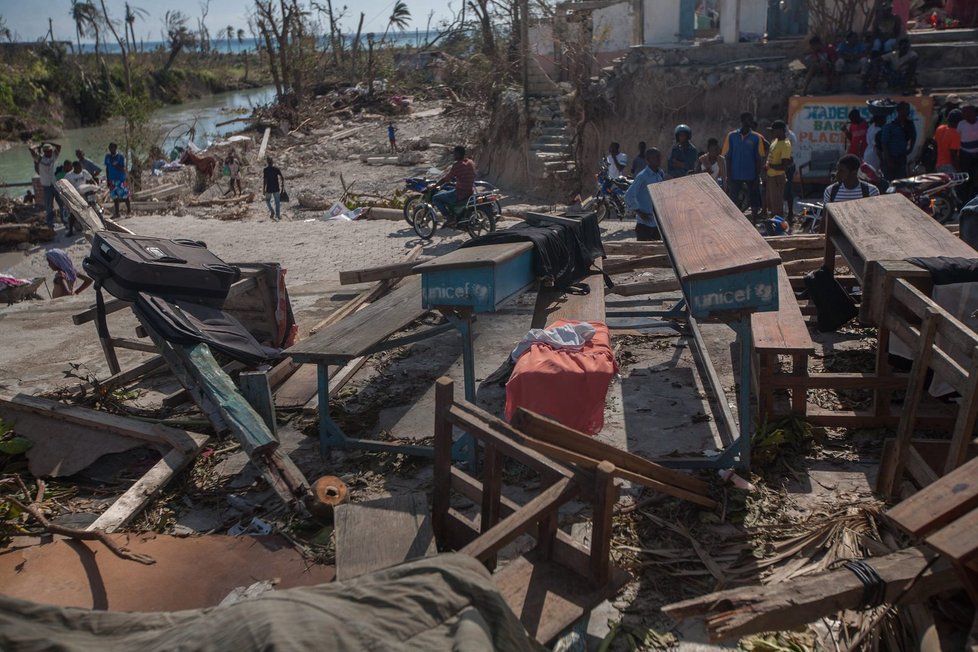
pixel 28 19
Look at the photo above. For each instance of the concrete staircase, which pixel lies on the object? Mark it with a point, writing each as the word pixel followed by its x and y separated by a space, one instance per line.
pixel 551 138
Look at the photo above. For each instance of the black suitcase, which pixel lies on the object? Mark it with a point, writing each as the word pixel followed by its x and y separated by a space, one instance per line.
pixel 186 322
pixel 126 264
pixel 834 307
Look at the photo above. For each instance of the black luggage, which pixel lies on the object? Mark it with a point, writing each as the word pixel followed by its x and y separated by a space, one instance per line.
pixel 833 305
pixel 185 322
pixel 126 264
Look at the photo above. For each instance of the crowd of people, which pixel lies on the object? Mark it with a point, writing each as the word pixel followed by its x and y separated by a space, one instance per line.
pixel 882 53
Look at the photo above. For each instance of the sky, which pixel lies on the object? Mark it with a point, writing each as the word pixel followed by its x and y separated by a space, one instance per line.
pixel 28 20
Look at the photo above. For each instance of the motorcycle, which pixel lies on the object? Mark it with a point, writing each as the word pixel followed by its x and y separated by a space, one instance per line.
pixel 609 197
pixel 934 192
pixel 89 193
pixel 477 216
pixel 417 186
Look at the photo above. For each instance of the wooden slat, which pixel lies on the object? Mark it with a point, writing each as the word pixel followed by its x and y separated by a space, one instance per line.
pixel 644 287
pixel 520 521
pixel 840 380
pixel 554 433
pixel 129 504
pixel 494 254
pixel 381 273
pixel 942 502
pixel 784 329
pixel 356 334
pixel 706 233
pixel 552 305
pixel 620 266
pixel 957 540
pixel 381 533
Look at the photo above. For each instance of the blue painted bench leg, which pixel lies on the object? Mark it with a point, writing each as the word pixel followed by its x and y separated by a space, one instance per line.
pixel 464 448
pixel 330 434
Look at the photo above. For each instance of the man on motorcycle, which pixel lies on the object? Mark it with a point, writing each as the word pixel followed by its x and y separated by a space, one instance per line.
pixel 638 199
pixel 617 161
pixel 683 157
pixel 462 174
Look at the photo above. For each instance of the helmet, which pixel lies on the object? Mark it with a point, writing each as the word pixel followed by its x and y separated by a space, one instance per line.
pixel 682 128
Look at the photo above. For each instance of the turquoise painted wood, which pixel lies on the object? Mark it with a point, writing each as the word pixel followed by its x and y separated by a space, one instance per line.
pixel 482 286
pixel 718 296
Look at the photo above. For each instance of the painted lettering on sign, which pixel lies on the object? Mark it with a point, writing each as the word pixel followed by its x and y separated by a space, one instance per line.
pixel 751 295
pixel 474 293
pixel 818 123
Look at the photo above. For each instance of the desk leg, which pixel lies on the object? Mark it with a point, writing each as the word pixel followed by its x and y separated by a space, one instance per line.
pixel 330 435
pixel 742 328
pixel 829 261
pixel 464 449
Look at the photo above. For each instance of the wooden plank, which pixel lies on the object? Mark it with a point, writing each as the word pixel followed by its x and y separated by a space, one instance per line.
pixel 353 336
pixel 869 419
pixel 942 502
pixel 257 390
pixel 520 521
pixel 381 533
pixel 784 329
pixel 112 423
pixel 707 235
pixel 964 425
pixel 381 273
pixel 549 431
pixel 838 381
pixel 488 255
pixel 957 539
pixel 644 287
pixel 125 377
pixel 181 396
pixel 742 611
pixel 442 464
pixel 621 266
pixel 338 378
pixel 299 389
pixel 129 504
pixel 264 143
pixel 552 305
pixel 919 470
pixel 605 497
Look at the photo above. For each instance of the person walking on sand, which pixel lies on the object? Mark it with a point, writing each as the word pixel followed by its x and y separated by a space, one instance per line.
pixel 115 175
pixel 234 174
pixel 65 275
pixel 273 183
pixel 46 161
pixel 392 136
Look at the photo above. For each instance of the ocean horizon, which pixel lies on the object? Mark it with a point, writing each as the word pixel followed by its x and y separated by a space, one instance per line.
pixel 221 45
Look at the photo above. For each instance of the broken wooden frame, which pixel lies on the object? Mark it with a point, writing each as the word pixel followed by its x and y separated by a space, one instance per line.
pixel 560 580
pixel 29 414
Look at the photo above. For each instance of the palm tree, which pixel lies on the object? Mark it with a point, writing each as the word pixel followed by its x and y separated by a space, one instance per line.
pixel 400 18
pixel 244 53
pixel 85 16
pixel 229 33
pixel 5 31
pixel 131 14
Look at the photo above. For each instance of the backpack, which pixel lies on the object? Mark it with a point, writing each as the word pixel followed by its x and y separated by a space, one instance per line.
pixel 838 186
pixel 833 305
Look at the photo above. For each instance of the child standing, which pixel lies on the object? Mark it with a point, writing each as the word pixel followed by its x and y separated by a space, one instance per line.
pixel 392 137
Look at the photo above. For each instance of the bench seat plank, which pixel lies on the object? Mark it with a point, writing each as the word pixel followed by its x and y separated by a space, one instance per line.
pixel 940 503
pixel 706 236
pixel 554 304
pixel 784 330
pixel 354 336
pixel 493 254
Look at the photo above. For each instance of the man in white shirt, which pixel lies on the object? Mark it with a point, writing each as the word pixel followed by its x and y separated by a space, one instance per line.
pixel 76 177
pixel 46 161
pixel 848 186
pixel 617 161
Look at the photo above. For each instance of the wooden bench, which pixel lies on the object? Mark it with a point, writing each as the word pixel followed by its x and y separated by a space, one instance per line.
pixel 361 334
pixel 774 334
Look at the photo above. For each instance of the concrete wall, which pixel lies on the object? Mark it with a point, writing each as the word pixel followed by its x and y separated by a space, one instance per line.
pixel 613 27
pixel 542 46
pixel 661 21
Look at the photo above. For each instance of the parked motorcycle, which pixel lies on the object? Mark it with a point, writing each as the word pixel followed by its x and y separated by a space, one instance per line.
pixel 417 186
pixel 934 192
pixel 477 216
pixel 609 197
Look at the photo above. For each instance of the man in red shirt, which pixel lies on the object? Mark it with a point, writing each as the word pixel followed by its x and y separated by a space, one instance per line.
pixel 948 140
pixel 462 174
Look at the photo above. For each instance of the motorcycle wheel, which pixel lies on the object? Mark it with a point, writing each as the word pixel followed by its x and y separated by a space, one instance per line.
pixel 942 209
pixel 409 205
pixel 481 223
pixel 425 221
pixel 599 206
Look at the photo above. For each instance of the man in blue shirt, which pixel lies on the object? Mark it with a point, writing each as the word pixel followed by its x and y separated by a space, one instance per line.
pixel 115 174
pixel 898 139
pixel 744 152
pixel 637 197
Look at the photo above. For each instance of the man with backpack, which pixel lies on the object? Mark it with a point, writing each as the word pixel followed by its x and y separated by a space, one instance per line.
pixel 849 186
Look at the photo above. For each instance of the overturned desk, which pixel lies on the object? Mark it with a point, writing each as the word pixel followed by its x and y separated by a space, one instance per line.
pixel 727 272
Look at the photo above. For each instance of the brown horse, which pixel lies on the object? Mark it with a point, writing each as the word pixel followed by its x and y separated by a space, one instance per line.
pixel 205 164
